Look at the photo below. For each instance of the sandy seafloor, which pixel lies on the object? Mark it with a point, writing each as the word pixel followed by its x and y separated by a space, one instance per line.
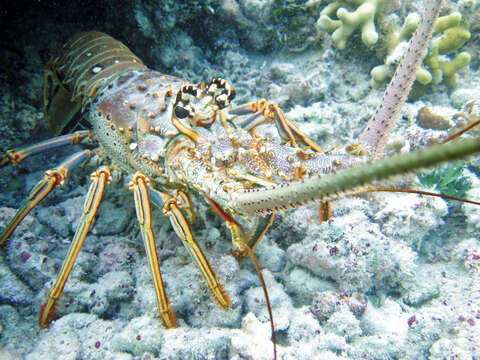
pixel 389 276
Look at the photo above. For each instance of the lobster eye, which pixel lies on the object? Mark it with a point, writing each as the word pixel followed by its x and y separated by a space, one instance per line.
pixel 181 112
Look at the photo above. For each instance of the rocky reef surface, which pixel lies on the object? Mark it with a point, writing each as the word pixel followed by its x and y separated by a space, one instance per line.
pixel 389 276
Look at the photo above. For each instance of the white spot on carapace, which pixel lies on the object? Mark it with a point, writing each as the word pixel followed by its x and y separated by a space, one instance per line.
pixel 96 69
pixel 212 88
pixel 132 146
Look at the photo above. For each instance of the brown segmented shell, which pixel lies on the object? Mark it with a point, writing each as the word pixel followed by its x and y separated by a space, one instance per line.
pixel 77 73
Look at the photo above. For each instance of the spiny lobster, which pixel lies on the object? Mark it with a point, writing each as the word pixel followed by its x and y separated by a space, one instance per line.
pixel 177 137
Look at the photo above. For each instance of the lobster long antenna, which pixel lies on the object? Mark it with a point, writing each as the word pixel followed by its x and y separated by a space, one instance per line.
pixel 347 181
pixel 381 123
pixel 461 132
pixel 238 240
pixel 267 299
pixel 421 192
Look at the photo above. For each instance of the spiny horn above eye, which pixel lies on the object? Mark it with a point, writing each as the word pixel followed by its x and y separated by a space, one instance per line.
pixel 225 95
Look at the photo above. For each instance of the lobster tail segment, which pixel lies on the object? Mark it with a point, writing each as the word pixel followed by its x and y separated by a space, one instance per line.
pixel 76 74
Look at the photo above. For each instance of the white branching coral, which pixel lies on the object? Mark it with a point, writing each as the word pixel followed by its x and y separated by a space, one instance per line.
pixel 341 23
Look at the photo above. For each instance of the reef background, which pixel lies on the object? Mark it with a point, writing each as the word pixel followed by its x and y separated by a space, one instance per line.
pixel 388 277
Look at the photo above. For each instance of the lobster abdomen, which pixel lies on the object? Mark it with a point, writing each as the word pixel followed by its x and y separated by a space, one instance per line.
pixel 80 69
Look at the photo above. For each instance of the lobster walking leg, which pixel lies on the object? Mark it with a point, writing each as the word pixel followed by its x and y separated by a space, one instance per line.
pixel 262 225
pixel 264 112
pixel 290 133
pixel 92 202
pixel 54 177
pixel 184 202
pixel 15 156
pixel 142 204
pixel 171 207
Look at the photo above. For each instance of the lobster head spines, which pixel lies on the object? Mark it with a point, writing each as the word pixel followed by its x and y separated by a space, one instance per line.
pixel 75 75
pixel 199 104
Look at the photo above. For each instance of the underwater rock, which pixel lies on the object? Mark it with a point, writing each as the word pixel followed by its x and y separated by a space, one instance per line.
pixel 422 288
pixel 429 120
pixel 14 291
pixel 303 286
pixel 354 252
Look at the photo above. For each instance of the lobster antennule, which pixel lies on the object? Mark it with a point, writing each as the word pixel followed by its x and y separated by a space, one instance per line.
pixel 290 195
